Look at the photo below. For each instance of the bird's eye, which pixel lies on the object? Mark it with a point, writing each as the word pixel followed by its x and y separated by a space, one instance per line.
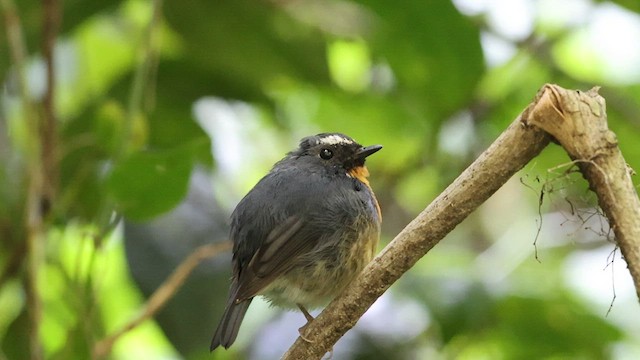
pixel 326 154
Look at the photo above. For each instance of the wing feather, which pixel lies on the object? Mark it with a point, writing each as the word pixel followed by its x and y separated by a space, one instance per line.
pixel 279 252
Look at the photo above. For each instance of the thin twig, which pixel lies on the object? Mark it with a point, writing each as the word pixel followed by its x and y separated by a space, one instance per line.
pixel 610 262
pixel 163 294
pixel 143 74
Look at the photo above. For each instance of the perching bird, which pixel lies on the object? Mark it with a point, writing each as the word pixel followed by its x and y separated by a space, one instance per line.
pixel 304 232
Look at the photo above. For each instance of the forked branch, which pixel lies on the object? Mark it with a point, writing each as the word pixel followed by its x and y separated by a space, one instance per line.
pixel 552 111
pixel 579 123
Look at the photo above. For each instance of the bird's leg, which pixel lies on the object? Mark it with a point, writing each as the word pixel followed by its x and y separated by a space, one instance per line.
pixel 306 313
pixel 304 327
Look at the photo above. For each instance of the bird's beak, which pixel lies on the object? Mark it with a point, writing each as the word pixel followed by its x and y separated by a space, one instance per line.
pixel 365 151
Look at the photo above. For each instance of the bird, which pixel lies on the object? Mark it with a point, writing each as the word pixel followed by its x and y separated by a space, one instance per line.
pixel 303 232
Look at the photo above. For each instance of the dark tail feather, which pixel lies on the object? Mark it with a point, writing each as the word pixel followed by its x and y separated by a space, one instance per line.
pixel 229 325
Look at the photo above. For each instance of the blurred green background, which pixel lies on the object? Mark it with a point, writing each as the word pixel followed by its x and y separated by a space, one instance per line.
pixel 167 112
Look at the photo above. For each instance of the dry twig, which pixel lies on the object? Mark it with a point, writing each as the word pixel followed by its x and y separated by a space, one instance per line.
pixel 162 294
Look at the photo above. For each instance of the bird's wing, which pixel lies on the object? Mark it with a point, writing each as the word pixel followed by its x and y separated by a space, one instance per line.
pixel 284 244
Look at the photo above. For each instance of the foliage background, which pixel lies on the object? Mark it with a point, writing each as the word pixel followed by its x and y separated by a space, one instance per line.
pixel 167 112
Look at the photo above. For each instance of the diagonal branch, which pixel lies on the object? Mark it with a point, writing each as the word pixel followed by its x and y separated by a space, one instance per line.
pixel 509 153
pixel 163 294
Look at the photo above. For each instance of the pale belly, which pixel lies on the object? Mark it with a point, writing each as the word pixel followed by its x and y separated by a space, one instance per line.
pixel 320 278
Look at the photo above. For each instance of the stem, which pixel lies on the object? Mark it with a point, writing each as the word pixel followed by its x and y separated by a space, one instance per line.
pixel 49 132
pixel 163 294
pixel 148 52
pixel 33 214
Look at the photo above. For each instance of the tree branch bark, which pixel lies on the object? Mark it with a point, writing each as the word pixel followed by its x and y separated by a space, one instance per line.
pixel 563 114
pixel 508 154
pixel 578 121
pixel 33 221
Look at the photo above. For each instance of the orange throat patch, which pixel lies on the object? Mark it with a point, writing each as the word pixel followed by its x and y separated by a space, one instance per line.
pixel 361 173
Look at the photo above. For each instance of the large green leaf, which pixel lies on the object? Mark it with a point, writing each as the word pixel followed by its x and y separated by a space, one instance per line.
pixel 149 183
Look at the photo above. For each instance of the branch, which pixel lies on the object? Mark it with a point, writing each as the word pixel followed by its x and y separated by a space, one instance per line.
pixel 33 221
pixel 48 129
pixel 508 154
pixel 578 121
pixel 17 49
pixel 163 294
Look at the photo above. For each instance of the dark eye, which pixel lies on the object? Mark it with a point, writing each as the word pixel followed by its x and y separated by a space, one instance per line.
pixel 326 154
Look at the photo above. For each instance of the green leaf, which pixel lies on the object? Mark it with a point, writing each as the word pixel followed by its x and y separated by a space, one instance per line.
pixel 434 51
pixel 632 5
pixel 243 45
pixel 149 183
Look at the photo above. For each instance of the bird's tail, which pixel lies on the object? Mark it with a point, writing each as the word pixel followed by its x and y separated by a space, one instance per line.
pixel 229 325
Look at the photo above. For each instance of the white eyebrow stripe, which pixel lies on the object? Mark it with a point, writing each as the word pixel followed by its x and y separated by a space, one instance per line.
pixel 335 139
